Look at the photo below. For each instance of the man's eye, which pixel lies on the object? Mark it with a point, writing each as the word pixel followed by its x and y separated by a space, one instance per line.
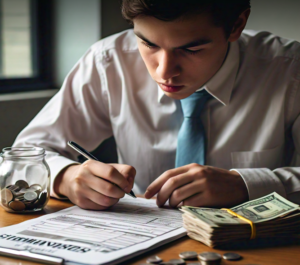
pixel 148 45
pixel 192 52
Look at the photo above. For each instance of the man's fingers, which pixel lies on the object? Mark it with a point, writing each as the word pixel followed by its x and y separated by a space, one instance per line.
pixel 89 205
pixel 156 185
pixel 127 171
pixel 195 200
pixel 107 172
pixel 104 187
pixel 185 192
pixel 101 199
pixel 171 186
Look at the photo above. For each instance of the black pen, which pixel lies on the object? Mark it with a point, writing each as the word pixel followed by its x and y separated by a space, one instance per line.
pixel 88 155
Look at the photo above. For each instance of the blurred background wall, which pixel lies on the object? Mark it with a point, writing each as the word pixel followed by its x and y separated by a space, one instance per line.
pixel 80 23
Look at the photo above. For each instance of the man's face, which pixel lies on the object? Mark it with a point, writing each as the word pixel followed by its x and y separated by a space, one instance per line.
pixel 182 55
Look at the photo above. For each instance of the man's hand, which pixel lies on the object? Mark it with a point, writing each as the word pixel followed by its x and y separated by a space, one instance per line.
pixel 197 185
pixel 88 185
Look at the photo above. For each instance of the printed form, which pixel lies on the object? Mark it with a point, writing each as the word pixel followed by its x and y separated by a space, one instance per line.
pixel 130 228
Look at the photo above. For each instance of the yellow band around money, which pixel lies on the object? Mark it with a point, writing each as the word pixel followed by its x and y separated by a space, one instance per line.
pixel 253 227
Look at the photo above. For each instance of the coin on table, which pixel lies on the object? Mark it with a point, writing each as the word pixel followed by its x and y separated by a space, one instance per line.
pixel 6 195
pixel 17 205
pixel 177 261
pixel 210 256
pixel 22 184
pixel 188 255
pixel 232 256
pixel 154 260
pixel 30 196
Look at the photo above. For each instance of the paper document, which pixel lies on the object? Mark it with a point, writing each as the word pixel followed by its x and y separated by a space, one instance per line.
pixel 131 227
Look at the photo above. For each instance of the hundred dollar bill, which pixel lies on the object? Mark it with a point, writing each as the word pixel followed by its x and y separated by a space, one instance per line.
pixel 265 208
pixel 212 217
pixel 260 210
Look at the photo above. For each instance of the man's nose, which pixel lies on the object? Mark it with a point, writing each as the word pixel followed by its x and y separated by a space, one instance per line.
pixel 167 67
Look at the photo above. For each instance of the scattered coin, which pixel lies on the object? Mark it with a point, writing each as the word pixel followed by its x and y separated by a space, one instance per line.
pixel 177 261
pixel 17 205
pixel 22 184
pixel 30 196
pixel 187 255
pixel 210 258
pixel 154 260
pixel 232 256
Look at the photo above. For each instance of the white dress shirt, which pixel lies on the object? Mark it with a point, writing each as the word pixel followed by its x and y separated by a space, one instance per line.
pixel 252 123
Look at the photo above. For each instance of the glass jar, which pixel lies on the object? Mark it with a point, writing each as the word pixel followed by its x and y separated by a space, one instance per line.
pixel 24 179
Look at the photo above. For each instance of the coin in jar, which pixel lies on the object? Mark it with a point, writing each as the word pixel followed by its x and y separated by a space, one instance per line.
pixel 19 198
pixel 187 255
pixel 29 205
pixel 18 193
pixel 22 184
pixel 6 195
pixel 17 205
pixel 177 261
pixel 154 260
pixel 30 196
pixel 232 256
pixel 210 258
pixel 14 188
pixel 42 198
pixel 35 187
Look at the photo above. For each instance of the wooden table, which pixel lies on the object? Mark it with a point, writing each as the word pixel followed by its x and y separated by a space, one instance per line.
pixel 283 255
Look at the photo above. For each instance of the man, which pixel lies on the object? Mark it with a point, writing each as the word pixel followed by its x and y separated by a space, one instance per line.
pixel 202 114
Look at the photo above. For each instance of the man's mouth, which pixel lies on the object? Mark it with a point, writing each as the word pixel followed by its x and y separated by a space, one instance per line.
pixel 170 88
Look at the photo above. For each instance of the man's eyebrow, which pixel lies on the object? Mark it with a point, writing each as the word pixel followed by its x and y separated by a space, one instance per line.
pixel 195 43
pixel 191 44
pixel 144 39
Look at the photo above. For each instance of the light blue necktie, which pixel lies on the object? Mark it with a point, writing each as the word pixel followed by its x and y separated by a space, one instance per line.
pixel 191 141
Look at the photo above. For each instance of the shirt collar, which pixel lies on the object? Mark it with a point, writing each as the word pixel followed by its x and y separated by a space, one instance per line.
pixel 221 84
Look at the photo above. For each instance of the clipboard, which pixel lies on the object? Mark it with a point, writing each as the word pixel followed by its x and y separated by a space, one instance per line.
pixel 30 256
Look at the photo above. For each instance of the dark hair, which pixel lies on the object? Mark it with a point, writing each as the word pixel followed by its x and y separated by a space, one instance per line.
pixel 224 12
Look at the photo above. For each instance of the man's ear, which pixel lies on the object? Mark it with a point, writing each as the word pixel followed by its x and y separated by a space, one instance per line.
pixel 239 25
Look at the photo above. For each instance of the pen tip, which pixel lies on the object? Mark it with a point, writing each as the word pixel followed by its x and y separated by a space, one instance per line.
pixel 132 194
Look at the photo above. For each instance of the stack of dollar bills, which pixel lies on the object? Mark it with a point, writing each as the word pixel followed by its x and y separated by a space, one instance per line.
pixel 272 215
